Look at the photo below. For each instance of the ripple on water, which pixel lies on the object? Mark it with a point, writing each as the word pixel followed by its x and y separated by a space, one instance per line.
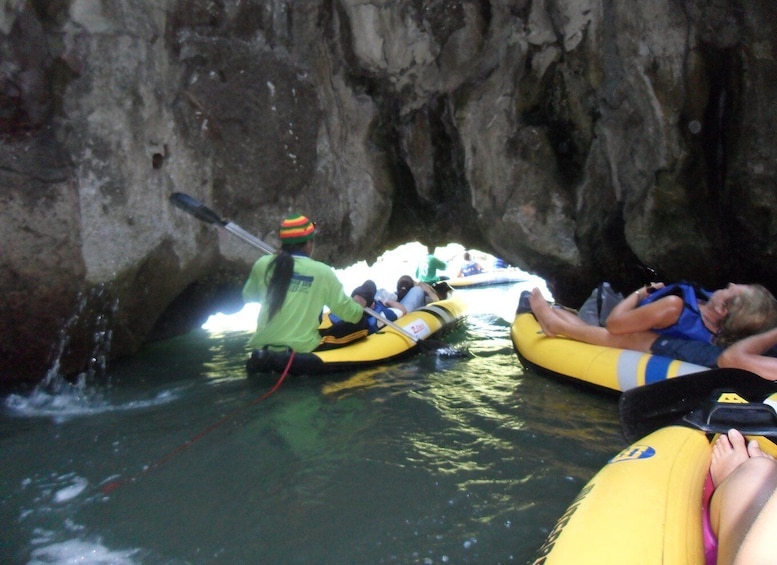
pixel 76 402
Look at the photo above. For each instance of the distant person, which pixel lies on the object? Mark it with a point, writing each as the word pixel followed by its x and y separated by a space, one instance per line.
pixel 364 294
pixel 469 267
pixel 743 507
pixel 501 264
pixel 413 295
pixel 293 289
pixel 428 267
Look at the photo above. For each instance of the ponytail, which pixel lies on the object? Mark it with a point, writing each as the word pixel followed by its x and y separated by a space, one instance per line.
pixel 280 272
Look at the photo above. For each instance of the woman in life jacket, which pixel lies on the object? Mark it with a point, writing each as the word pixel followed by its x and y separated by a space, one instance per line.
pixel 680 321
pixel 687 311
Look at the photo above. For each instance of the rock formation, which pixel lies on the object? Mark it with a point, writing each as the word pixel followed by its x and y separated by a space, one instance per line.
pixel 575 138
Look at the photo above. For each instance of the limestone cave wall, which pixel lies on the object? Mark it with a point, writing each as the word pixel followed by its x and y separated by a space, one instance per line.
pixel 577 139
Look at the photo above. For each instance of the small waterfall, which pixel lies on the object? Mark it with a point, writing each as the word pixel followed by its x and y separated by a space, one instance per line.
pixel 99 304
pixel 62 397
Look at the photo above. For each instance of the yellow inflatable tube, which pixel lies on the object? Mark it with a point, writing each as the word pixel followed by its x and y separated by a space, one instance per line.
pixel 607 367
pixel 644 506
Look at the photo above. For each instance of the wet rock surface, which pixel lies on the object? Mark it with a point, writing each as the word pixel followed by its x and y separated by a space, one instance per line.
pixel 577 140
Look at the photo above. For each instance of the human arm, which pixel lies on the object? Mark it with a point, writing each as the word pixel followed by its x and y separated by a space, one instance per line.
pixel 748 354
pixel 343 306
pixel 396 305
pixel 628 316
pixel 429 291
pixel 439 264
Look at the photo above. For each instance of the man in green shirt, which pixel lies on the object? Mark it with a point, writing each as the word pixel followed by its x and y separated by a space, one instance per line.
pixel 427 269
pixel 293 289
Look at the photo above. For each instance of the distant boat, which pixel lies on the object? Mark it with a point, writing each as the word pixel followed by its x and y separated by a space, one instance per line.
pixel 489 278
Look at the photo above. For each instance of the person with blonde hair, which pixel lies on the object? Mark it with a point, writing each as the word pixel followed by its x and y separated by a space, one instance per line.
pixel 685 310
pixel 675 321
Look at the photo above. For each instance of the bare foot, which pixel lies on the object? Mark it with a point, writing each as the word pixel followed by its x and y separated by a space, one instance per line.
pixel 728 453
pixel 754 450
pixel 542 311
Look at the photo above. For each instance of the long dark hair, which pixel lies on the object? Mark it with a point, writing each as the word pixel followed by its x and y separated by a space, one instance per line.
pixel 280 273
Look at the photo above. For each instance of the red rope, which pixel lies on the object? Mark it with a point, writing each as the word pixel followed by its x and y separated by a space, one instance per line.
pixel 110 487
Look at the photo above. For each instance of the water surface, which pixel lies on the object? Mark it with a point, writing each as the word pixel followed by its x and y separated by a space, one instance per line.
pixel 175 459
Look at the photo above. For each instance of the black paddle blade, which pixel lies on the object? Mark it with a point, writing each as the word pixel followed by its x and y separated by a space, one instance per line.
pixel 751 418
pixel 195 208
pixel 647 408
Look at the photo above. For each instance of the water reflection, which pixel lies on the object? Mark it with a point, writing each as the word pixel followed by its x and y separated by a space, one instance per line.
pixel 427 460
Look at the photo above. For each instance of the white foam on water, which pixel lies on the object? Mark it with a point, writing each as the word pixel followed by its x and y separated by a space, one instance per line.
pixel 71 491
pixel 63 405
pixel 72 552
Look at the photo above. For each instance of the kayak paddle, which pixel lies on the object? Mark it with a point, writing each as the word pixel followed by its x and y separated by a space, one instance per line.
pixel 205 214
pixel 647 408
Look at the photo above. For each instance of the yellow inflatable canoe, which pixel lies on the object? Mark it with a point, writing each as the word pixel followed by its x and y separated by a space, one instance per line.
pixel 383 346
pixel 642 507
pixel 607 367
pixel 645 506
pixel 648 504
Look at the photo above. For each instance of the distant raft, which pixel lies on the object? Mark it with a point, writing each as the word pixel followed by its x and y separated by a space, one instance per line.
pixel 605 367
pixel 489 278
pixel 386 345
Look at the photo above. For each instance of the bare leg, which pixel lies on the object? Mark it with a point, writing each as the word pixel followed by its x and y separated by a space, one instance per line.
pixel 561 322
pixel 548 319
pixel 743 510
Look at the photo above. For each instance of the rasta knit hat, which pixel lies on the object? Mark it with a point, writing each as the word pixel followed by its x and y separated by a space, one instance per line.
pixel 296 229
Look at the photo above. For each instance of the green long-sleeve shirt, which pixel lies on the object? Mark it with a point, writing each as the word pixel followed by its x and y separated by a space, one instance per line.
pixel 427 269
pixel 295 325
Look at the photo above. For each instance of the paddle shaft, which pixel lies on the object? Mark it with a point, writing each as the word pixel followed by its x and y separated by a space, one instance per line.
pixel 202 212
pixel 389 323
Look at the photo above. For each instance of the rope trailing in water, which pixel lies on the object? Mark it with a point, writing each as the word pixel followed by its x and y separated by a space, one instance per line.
pixel 113 485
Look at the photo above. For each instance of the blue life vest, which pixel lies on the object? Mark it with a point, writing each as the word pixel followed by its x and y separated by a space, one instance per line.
pixel 372 323
pixel 384 311
pixel 690 324
pixel 471 268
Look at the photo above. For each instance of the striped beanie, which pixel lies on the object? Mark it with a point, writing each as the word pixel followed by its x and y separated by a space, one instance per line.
pixel 296 229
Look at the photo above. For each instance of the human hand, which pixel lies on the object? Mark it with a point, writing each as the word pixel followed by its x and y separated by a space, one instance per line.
pixel 652 287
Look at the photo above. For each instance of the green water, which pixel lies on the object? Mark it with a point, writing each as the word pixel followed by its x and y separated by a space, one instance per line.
pixel 434 459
